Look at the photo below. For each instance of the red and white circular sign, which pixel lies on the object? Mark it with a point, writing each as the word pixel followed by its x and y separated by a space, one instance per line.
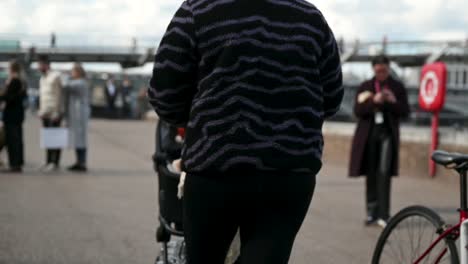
pixel 429 87
pixel 433 87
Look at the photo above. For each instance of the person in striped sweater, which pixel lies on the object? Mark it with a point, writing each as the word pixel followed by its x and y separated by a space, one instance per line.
pixel 252 82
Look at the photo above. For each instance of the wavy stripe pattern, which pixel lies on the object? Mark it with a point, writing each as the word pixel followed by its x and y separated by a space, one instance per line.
pixel 291 81
pixel 289 84
pixel 211 6
pixel 260 108
pixel 291 4
pixel 208 140
pixel 245 86
pixel 259 44
pixel 264 32
pixel 251 84
pixel 181 32
pixel 264 20
pixel 169 64
pixel 270 62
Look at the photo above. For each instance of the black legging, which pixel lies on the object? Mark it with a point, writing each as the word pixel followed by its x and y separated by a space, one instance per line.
pixel 269 209
pixel 14 143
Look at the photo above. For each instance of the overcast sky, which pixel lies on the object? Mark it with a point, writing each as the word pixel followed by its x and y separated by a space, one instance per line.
pixel 110 21
pixel 366 19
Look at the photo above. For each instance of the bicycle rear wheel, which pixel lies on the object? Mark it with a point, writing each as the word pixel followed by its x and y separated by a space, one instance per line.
pixel 409 234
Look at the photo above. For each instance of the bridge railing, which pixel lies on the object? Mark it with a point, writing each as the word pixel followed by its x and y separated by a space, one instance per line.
pixel 9 45
pixel 458 76
pixel 82 42
pixel 409 48
pixel 93 41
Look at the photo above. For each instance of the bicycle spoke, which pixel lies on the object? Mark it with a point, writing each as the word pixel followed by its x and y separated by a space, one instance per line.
pixel 419 243
pixel 408 241
pixel 395 255
pixel 400 245
pixel 411 236
pixel 391 258
pixel 430 253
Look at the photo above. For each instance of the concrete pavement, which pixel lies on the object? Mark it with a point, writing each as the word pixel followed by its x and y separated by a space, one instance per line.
pixel 109 215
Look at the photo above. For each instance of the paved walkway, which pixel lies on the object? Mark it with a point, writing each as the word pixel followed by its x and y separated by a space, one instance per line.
pixel 109 215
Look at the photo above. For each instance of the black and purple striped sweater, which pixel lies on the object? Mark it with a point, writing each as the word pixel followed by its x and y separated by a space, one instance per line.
pixel 252 80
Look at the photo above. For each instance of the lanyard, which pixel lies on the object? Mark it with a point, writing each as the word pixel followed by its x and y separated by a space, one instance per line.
pixel 378 87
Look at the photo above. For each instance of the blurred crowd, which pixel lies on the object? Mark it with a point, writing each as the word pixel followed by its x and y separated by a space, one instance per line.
pixel 64 100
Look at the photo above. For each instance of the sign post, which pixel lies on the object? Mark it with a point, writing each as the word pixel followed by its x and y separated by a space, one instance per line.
pixel 432 98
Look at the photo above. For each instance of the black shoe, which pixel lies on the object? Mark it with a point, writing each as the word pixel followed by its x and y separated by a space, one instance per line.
pixel 13 170
pixel 78 168
pixel 370 221
pixel 16 170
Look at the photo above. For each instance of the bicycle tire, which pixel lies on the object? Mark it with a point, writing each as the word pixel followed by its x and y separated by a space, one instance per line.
pixel 414 211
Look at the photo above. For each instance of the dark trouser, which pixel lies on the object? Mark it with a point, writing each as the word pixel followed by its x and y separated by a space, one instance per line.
pixel 81 156
pixel 378 182
pixel 111 109
pixel 52 155
pixel 268 208
pixel 14 143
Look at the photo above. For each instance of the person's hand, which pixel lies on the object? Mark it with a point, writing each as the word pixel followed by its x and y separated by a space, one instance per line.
pixel 390 96
pixel 55 117
pixel 364 96
pixel 379 98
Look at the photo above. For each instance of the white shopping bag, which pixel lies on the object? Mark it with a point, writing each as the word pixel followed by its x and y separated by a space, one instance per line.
pixel 54 138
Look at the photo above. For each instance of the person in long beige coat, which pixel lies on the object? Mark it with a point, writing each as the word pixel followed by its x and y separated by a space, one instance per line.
pixel 51 107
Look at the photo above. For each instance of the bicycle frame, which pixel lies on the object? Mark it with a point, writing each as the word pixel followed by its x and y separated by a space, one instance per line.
pixel 456 231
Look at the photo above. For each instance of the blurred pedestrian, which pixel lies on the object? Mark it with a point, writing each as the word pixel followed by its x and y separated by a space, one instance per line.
pixel 13 116
pixel 134 44
pixel 126 93
pixel 51 107
pixel 380 105
pixel 142 102
pixel 253 82
pixel 77 115
pixel 111 96
pixel 341 45
pixel 53 40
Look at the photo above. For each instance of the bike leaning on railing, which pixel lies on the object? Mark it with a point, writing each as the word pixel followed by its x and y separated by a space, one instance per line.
pixel 418 235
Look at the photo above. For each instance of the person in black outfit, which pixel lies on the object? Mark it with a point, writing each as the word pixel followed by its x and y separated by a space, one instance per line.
pixel 380 104
pixel 253 83
pixel 13 117
pixel 125 93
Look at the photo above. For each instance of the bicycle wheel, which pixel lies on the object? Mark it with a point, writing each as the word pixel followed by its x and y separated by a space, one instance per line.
pixel 409 234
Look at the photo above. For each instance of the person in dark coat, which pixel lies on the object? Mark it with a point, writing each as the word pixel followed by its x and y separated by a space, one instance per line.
pixel 380 105
pixel 13 117
pixel 126 93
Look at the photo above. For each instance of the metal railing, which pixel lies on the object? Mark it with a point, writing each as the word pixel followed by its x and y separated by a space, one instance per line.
pixel 458 77
pixel 88 41
pixel 365 48
pixel 405 47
